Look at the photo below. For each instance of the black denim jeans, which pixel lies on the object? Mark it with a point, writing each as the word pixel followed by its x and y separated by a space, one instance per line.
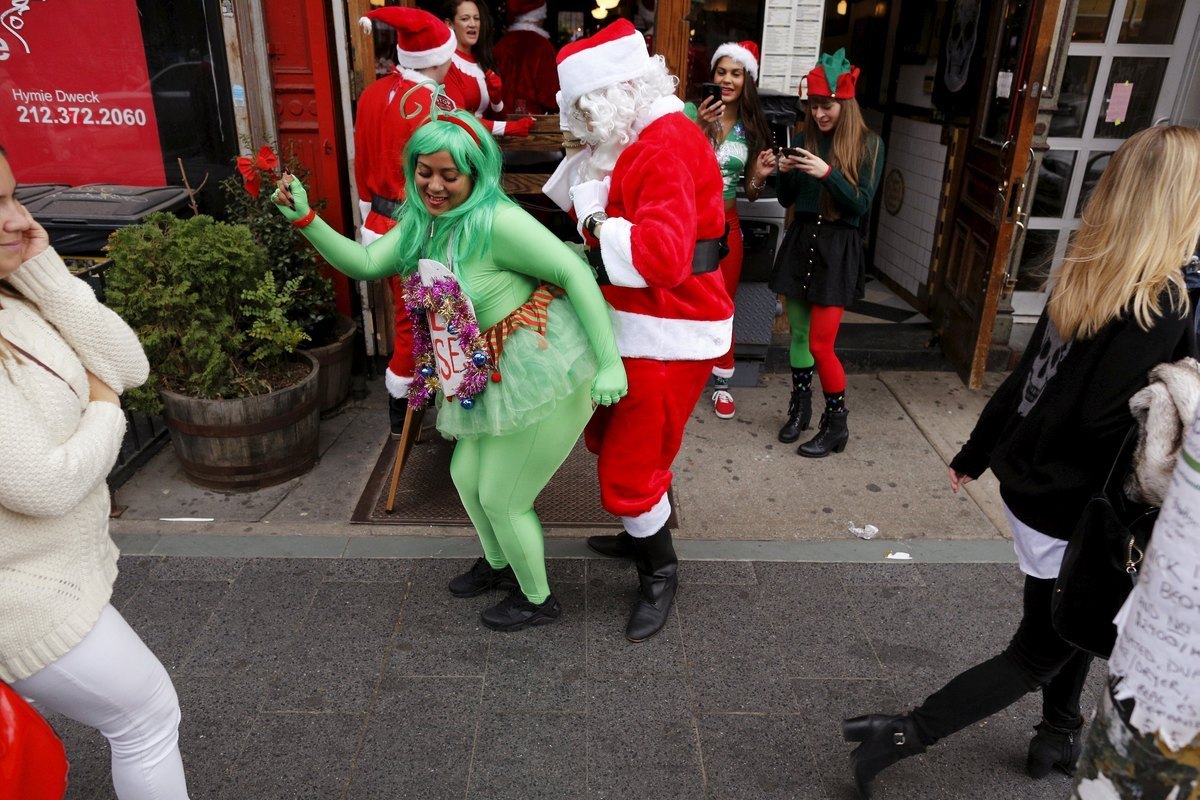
pixel 1036 657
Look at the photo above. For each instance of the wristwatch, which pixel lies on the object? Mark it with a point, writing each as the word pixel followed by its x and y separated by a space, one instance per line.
pixel 593 220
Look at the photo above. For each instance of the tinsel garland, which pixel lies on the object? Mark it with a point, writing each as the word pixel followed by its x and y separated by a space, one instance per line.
pixel 444 298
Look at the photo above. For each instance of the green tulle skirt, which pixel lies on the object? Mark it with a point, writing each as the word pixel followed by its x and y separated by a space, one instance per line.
pixel 536 372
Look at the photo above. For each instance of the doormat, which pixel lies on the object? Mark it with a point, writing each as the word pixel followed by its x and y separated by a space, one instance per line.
pixel 426 495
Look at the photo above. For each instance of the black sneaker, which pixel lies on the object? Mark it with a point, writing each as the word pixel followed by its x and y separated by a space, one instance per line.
pixel 482 577
pixel 515 612
pixel 397 411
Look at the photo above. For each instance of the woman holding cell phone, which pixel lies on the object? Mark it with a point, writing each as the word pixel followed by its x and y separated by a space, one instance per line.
pixel 821 266
pixel 733 114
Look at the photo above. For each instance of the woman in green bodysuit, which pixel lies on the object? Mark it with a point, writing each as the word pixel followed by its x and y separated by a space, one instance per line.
pixel 551 358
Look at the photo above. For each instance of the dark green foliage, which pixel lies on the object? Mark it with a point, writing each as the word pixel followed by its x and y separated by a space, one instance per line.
pixel 290 257
pixel 205 305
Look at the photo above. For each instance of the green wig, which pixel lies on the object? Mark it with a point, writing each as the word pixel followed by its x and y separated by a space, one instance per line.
pixel 467 228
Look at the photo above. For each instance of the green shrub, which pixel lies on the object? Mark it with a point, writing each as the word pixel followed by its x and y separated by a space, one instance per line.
pixel 211 315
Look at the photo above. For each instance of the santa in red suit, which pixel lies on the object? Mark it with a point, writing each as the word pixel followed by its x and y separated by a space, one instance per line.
pixel 526 59
pixel 646 192
pixel 389 110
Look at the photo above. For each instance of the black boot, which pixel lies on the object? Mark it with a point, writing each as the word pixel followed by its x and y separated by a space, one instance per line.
pixel 1053 747
pixel 657 566
pixel 516 612
pixel 799 406
pixel 884 741
pixel 482 577
pixel 615 546
pixel 397 411
pixel 831 437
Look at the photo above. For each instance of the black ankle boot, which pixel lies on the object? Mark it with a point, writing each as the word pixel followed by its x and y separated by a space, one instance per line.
pixel 658 578
pixel 799 416
pixel 1053 748
pixel 884 741
pixel 831 436
pixel 515 612
pixel 615 546
pixel 482 577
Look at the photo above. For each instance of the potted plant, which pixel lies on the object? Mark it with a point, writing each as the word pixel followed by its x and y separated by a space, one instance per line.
pixel 330 335
pixel 237 394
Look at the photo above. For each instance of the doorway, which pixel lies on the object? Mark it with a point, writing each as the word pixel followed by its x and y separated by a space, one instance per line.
pixel 1123 72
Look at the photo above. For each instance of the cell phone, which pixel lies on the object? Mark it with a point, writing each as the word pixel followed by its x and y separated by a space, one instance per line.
pixel 790 151
pixel 710 91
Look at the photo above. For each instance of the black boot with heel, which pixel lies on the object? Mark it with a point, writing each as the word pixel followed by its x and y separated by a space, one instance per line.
pixel 613 546
pixel 884 740
pixel 799 406
pixel 1053 748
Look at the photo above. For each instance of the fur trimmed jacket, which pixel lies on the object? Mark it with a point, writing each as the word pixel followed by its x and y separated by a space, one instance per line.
pixel 1163 411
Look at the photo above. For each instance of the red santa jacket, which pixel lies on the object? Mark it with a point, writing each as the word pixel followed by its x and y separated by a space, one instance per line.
pixel 665 195
pixel 381 131
pixel 525 59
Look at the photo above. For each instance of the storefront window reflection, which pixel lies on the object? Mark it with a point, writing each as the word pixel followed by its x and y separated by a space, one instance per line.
pixel 1091 20
pixel 1150 21
pixel 1054 180
pixel 1095 164
pixel 1079 79
pixel 1037 258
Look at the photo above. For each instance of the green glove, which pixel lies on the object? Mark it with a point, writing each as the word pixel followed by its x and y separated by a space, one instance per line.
pixel 296 195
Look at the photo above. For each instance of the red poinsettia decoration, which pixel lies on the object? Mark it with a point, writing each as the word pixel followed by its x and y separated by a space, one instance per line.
pixel 251 168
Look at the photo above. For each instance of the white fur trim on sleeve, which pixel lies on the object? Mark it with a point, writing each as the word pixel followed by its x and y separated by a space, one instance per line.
pixel 396 386
pixel 616 249
pixel 498 128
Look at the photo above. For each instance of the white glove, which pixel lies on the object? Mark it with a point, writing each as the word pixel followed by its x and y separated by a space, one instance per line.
pixel 589 197
pixel 558 187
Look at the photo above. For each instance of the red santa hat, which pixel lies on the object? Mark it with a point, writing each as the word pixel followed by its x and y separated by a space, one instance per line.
pixel 745 53
pixel 616 54
pixel 422 40
pixel 517 8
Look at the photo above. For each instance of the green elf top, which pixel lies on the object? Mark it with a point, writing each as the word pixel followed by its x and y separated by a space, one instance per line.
pixel 834 71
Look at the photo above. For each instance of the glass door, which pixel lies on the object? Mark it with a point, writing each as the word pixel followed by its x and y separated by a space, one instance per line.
pixel 1122 74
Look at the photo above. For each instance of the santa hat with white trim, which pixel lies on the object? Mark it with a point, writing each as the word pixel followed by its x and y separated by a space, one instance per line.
pixel 744 53
pixel 519 8
pixel 615 54
pixel 422 40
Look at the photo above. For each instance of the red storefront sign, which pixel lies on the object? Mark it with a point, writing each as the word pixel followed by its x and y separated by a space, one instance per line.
pixel 76 102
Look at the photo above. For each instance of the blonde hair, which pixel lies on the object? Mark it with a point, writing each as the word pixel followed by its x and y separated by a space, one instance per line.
pixel 851 139
pixel 1137 230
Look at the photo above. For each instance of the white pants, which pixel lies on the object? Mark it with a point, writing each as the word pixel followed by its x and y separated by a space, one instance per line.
pixel 112 682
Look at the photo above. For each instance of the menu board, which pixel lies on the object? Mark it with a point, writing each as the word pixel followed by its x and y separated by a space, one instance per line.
pixel 791 42
pixel 1157 654
pixel 76 98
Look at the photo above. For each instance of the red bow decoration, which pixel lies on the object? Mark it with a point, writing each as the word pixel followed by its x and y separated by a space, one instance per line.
pixel 265 160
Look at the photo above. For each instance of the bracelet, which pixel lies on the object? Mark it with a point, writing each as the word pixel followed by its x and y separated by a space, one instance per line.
pixel 758 187
pixel 304 221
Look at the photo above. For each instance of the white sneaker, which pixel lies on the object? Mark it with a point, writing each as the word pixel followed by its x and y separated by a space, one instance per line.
pixel 723 404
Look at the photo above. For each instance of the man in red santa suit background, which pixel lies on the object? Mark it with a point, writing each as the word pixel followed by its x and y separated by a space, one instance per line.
pixel 389 110
pixel 526 59
pixel 646 191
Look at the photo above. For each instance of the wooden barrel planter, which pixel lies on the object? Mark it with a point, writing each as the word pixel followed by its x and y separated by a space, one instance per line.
pixel 336 359
pixel 248 442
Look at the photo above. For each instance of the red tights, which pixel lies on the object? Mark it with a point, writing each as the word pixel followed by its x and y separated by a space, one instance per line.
pixel 822 333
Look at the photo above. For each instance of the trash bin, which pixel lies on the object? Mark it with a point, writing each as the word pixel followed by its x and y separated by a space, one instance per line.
pixel 80 219
pixel 29 192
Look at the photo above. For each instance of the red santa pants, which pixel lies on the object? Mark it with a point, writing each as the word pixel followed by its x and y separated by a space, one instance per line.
pixel 402 366
pixel 731 271
pixel 637 438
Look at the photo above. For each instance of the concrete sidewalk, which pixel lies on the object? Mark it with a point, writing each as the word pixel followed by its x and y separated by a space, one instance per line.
pixel 344 679
pixel 735 483
pixel 318 659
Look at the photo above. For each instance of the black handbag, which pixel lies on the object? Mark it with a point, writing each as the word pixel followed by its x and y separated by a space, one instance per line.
pixel 1101 562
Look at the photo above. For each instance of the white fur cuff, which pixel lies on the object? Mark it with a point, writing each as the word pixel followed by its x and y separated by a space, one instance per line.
pixel 616 248
pixel 396 386
pixel 649 523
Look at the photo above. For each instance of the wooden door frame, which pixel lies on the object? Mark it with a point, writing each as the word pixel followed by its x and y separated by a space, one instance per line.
pixel 671 40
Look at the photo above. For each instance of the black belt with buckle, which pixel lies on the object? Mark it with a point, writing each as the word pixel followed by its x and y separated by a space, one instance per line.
pixel 705 258
pixel 384 206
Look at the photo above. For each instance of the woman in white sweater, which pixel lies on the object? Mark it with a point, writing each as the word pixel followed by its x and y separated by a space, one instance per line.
pixel 64 359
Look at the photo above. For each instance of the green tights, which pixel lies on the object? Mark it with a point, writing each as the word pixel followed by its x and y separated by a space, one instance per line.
pixel 499 477
pixel 799 314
